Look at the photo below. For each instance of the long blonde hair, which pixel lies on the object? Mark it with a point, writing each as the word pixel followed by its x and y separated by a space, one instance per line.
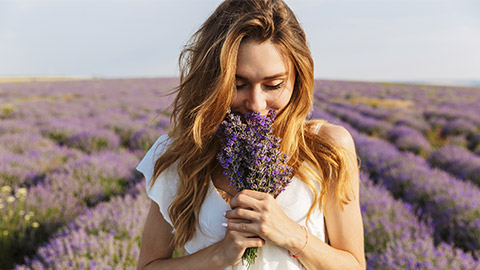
pixel 207 78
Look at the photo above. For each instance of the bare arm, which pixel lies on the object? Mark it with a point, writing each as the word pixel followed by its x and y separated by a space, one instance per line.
pixel 345 228
pixel 156 249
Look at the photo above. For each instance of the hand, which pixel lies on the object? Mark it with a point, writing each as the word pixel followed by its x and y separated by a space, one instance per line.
pixel 260 214
pixel 234 243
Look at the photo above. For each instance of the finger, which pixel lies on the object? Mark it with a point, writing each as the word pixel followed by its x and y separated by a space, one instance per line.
pixel 256 194
pixel 245 234
pixel 240 213
pixel 249 241
pixel 243 199
pixel 254 242
pixel 239 220
pixel 240 227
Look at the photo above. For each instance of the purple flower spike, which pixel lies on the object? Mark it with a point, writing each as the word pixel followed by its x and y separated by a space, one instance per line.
pixel 250 153
pixel 251 158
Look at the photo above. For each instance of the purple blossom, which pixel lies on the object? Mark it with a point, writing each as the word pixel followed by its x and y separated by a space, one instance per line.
pixel 251 158
pixel 15 126
pixel 20 143
pixel 250 154
pixel 396 239
pixel 94 140
pixel 363 123
pixel 459 126
pixel 458 140
pixel 408 139
pixel 458 161
pixel 474 142
pixel 60 131
pixel 144 138
pixel 437 122
pixel 105 237
pixel 30 167
pixel 415 122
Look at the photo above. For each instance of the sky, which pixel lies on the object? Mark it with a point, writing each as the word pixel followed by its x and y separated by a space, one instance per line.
pixel 381 40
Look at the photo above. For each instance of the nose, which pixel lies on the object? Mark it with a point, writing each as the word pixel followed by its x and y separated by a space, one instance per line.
pixel 256 101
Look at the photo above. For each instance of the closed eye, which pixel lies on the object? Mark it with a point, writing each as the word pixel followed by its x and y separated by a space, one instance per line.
pixel 241 86
pixel 270 87
pixel 274 87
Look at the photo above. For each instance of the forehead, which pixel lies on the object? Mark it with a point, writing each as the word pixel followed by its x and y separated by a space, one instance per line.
pixel 256 61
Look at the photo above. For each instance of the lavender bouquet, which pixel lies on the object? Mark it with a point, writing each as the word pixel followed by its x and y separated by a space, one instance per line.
pixel 251 158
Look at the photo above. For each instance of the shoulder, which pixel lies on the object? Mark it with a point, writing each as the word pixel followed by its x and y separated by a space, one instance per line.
pixel 338 135
pixel 147 164
pixel 162 142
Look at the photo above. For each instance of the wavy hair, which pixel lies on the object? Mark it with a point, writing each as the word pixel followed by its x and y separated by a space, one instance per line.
pixel 207 80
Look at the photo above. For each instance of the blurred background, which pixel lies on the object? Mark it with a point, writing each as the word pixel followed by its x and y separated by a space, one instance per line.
pixel 426 41
pixel 70 197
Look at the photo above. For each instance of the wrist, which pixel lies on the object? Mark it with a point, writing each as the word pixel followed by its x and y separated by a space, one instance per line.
pixel 298 241
pixel 218 257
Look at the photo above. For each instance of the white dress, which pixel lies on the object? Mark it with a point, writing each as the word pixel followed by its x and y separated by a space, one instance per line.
pixel 295 201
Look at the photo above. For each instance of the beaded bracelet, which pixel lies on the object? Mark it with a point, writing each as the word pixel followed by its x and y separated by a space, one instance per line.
pixel 306 241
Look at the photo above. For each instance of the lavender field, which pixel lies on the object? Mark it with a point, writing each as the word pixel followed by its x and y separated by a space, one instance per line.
pixel 71 198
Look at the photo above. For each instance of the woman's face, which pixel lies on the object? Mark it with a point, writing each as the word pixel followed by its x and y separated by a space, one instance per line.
pixel 263 81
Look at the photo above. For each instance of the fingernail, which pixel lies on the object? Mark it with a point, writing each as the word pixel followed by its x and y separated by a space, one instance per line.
pixel 224 213
pixel 224 225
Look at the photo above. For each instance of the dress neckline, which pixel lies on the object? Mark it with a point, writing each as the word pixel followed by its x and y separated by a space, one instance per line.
pixel 218 195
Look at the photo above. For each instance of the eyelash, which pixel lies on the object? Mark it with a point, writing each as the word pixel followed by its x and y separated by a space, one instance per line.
pixel 271 87
pixel 275 87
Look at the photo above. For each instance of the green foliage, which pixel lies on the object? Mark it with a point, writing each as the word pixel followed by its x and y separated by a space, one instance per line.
pixel 19 226
pixel 6 110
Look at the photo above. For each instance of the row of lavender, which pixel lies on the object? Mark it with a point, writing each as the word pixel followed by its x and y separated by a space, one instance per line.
pixel 75 113
pixel 30 214
pixel 452 158
pixel 109 236
pixel 450 205
pixel 105 237
pixel 65 147
pixel 456 159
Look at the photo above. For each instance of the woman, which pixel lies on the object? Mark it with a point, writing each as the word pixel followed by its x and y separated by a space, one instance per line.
pixel 250 55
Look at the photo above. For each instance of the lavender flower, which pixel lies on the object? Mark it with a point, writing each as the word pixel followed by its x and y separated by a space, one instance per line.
pixel 94 140
pixel 459 126
pixel 457 161
pixel 408 139
pixel 251 158
pixel 144 138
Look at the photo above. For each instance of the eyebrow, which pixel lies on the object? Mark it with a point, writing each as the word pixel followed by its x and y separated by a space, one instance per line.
pixel 278 75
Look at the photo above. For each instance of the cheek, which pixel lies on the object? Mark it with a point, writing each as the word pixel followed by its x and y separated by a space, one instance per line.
pixel 235 100
pixel 282 99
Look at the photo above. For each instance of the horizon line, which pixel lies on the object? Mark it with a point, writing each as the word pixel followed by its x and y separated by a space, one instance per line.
pixel 438 82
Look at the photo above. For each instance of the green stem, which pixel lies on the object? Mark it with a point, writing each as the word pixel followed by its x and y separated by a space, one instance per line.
pixel 249 256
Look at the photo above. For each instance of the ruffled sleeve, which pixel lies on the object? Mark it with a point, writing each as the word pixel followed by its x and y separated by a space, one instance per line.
pixel 165 188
